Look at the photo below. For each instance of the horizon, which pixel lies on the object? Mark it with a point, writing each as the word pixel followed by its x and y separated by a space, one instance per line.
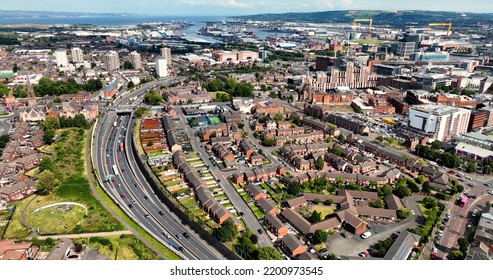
pixel 196 8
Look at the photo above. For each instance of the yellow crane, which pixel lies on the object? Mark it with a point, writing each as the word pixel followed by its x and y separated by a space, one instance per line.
pixel 448 24
pixel 370 20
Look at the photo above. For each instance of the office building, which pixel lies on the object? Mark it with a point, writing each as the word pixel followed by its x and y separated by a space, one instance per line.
pixel 440 122
pixel 387 70
pixel 430 56
pixel 161 67
pixel 61 58
pixel 403 49
pixel 136 60
pixel 166 53
pixel 477 120
pixel 111 61
pixel 77 56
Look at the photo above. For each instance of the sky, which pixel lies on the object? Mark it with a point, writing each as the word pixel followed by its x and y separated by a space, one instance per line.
pixel 240 7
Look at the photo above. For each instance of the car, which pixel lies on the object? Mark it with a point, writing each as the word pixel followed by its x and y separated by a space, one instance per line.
pixel 180 248
pixel 146 215
pixel 259 231
pixel 363 254
pixel 136 185
pixel 122 196
pixel 130 206
pixel 178 236
pixel 433 255
pixel 186 234
pixel 435 250
pixel 161 213
pixel 241 213
pixel 490 191
pixel 366 235
pixel 440 232
pixel 439 237
pixel 412 212
pixel 145 197
pixel 487 185
pixel 323 252
pixel 473 196
pixel 448 216
pixel 164 233
pixel 442 227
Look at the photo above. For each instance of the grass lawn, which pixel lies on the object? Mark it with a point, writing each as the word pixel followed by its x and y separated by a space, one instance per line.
pixel 325 210
pixel 5 216
pixel 275 153
pixel 136 135
pixel 50 220
pixel 123 247
pixel 265 161
pixel 32 172
pixel 188 202
pixel 16 229
pixel 256 211
pixel 246 197
pixel 363 42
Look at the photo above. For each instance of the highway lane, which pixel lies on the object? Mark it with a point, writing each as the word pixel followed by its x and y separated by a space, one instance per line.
pixel 145 211
pixel 154 205
pixel 154 223
pixel 248 217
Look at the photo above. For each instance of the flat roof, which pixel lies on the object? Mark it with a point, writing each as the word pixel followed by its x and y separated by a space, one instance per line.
pixel 470 149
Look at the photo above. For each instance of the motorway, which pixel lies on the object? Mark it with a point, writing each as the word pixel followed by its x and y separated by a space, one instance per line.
pixel 134 195
pixel 221 177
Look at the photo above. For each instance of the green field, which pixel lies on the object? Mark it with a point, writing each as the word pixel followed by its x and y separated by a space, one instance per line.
pixel 213 120
pixel 367 42
pixel 50 220
pixel 325 210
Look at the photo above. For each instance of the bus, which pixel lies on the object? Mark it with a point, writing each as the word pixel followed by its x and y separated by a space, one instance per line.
pixel 463 200
pixel 121 147
pixel 115 170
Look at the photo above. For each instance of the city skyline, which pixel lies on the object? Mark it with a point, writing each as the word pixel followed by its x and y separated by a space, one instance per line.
pixel 238 7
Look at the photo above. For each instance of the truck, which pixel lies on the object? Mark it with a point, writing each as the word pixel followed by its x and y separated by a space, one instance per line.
pixel 121 147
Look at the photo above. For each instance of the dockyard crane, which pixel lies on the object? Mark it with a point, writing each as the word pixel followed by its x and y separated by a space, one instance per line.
pixel 370 20
pixel 448 24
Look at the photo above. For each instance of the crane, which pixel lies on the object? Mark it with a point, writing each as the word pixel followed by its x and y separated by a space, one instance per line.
pixel 370 20
pixel 448 24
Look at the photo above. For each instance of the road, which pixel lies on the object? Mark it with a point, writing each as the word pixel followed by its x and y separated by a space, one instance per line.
pixel 131 188
pixel 221 177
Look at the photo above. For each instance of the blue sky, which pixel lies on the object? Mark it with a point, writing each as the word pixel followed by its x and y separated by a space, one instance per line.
pixel 241 7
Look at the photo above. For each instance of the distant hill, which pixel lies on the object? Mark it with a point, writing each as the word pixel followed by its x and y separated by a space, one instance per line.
pixel 391 18
pixel 44 14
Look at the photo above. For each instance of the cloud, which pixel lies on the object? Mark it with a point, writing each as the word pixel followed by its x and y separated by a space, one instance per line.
pixel 235 4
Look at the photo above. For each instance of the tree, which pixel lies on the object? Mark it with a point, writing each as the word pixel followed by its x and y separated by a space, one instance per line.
pixel 320 236
pixel 470 167
pixel 128 65
pixel 150 144
pixel 341 138
pixel 226 232
pixel 51 122
pixel 190 101
pixel 268 253
pixel 4 90
pixel 294 188
pixel 385 190
pixel 337 151
pixel 463 245
pixel 48 136
pixel 46 164
pixel 403 213
pixel 269 142
pixel 152 98
pixel 436 145
pixel 413 186
pixel 140 112
pixel 57 100
pixel 93 85
pixel 243 89
pixel 426 187
pixel 430 202
pixel 278 118
pixel 315 217
pixel 377 204
pixel 420 179
pixel 254 238
pixel 19 91
pixel 215 85
pixel 379 138
pixel 46 182
pixel 455 255
pixel 402 191
pixel 130 85
pixel 79 121
pixel 319 164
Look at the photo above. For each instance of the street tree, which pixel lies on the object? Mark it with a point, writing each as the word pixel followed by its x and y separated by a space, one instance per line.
pixel 320 236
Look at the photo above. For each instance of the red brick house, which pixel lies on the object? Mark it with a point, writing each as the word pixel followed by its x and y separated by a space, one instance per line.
pixel 255 192
pixel 292 246
pixel 275 225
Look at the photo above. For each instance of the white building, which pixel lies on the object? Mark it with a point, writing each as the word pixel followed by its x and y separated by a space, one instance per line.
pixel 441 122
pixel 166 53
pixel 111 61
pixel 136 60
pixel 61 58
pixel 77 56
pixel 161 67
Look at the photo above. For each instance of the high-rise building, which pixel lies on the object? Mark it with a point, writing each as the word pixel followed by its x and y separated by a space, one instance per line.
pixel 77 55
pixel 440 122
pixel 135 60
pixel 166 53
pixel 161 67
pixel 61 58
pixel 403 49
pixel 111 61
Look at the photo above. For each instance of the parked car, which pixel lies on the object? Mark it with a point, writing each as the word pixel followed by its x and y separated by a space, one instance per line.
pixel 363 254
pixel 366 235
